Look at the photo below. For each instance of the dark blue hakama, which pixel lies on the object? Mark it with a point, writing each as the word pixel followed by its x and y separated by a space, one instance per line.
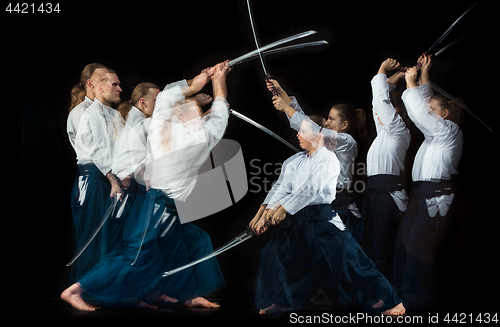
pixel 426 249
pixel 89 199
pixel 309 250
pixel 381 221
pixel 156 242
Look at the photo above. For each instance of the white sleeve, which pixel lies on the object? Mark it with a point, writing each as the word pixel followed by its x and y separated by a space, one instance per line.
pixel 171 94
pixel 420 113
pixel 216 120
pixel 93 138
pixel 283 190
pixel 381 101
pixel 280 179
pixel 324 177
pixel 426 91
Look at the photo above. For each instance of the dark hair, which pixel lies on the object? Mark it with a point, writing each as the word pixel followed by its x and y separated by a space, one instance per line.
pixel 455 111
pixel 140 91
pixel 356 119
pixel 79 91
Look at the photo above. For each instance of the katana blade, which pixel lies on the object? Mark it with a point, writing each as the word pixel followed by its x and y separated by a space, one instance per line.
pixel 452 98
pixel 256 39
pixel 108 213
pixel 246 235
pixel 464 36
pixel 441 38
pixel 270 46
pixel 262 128
pixel 247 57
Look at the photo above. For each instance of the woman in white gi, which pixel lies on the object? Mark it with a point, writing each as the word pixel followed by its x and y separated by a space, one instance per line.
pixel 98 129
pixel 343 126
pixel 313 246
pixel 386 199
pixel 426 245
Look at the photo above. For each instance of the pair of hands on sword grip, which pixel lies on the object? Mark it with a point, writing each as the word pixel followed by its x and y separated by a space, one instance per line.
pixel 265 217
pixel 281 100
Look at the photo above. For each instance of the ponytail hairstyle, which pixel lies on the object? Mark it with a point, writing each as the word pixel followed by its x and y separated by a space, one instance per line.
pixel 140 91
pixel 455 111
pixel 79 91
pixel 356 119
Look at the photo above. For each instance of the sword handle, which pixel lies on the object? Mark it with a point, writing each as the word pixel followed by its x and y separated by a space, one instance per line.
pixel 267 224
pixel 418 66
pixel 273 89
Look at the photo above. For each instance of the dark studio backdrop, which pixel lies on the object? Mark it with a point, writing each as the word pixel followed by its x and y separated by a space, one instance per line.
pixel 44 54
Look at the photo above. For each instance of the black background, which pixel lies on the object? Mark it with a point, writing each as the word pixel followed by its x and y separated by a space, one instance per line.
pixel 44 54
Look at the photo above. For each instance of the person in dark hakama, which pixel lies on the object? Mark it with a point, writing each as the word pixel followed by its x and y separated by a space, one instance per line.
pixel 313 246
pixel 179 141
pixel 98 129
pixel 343 126
pixel 426 247
pixel 129 159
pixel 82 96
pixel 386 199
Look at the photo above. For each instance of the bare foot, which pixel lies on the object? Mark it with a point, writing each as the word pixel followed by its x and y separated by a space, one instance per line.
pixel 144 305
pixel 378 305
pixel 273 309
pixel 166 298
pixel 73 295
pixel 398 310
pixel 200 302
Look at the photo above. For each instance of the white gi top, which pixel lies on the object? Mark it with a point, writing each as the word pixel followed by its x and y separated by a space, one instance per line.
pixel 74 119
pixel 387 151
pixel 125 162
pixel 100 126
pixel 138 144
pixel 346 148
pixel 177 150
pixel 439 155
pixel 305 180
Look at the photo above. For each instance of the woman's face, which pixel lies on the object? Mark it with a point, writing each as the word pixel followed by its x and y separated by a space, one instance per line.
pixel 334 122
pixel 438 109
pixel 306 137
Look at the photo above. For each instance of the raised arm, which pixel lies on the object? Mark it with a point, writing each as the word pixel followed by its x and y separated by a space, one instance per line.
pixel 383 109
pixel 426 62
pixel 417 107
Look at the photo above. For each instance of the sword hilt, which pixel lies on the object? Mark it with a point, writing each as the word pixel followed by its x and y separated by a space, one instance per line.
pixel 267 224
pixel 273 89
pixel 418 66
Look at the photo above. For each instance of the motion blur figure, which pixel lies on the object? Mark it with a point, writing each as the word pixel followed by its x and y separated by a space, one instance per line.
pixel 98 129
pixel 313 247
pixel 82 96
pixel 426 248
pixel 179 140
pixel 343 127
pixel 386 200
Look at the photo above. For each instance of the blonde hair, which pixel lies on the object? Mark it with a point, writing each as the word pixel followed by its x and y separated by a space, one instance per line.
pixel 140 91
pixel 79 91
